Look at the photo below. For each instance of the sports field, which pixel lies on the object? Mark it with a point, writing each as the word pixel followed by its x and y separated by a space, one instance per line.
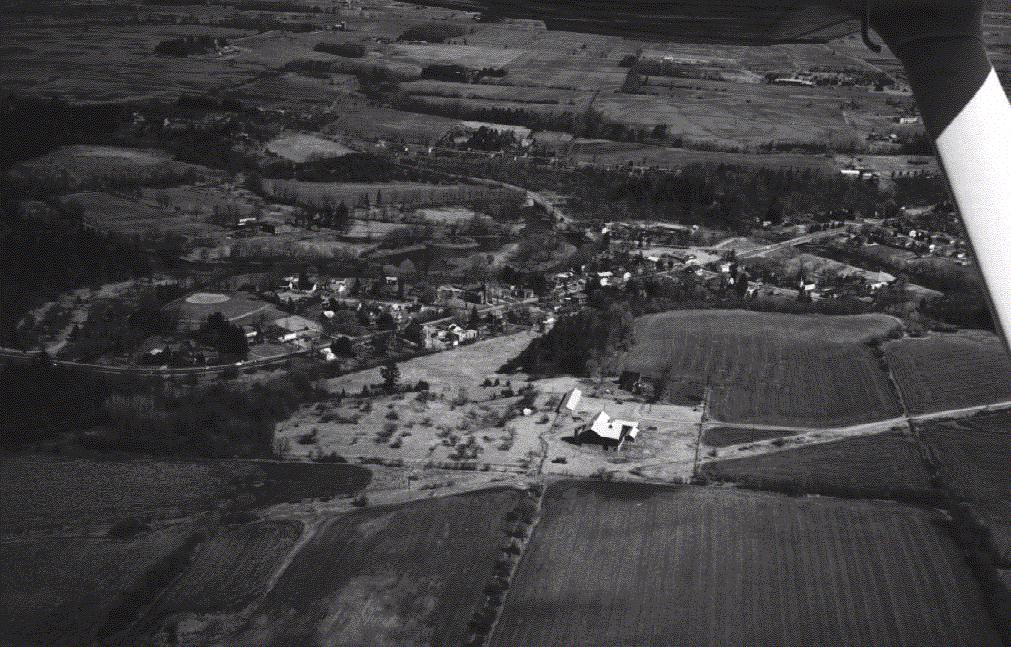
pixel 622 564
pixel 942 372
pixel 798 370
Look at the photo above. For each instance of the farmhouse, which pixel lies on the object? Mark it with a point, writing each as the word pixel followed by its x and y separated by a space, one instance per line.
pixel 609 432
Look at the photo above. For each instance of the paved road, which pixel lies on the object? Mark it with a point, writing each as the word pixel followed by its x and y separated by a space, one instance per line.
pixel 793 242
pixel 17 356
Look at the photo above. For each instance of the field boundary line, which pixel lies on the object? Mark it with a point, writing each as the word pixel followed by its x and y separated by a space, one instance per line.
pixel 516 565
pixel 702 429
pixel 310 530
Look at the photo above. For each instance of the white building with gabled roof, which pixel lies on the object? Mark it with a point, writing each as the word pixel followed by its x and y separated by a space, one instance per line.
pixel 610 431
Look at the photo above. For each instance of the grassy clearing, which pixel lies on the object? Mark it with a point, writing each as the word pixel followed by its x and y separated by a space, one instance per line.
pixel 464 367
pixel 411 574
pixel 622 564
pixel 299 147
pixel 943 372
pixel 973 454
pixel 78 168
pixel 792 370
pixel 885 465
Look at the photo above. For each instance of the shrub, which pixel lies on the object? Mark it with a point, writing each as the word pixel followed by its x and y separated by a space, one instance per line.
pixel 517 531
pixel 309 438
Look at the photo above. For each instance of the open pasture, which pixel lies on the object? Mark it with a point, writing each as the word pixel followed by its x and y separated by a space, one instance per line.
pixel 973 454
pixel 381 124
pixel 518 94
pixel 44 494
pixel 301 147
pixel 447 372
pixel 945 371
pixel 418 431
pixel 409 574
pixel 472 56
pixel 736 113
pixel 769 368
pixel 114 213
pixel 113 63
pixel 608 153
pixel 624 564
pixel 78 168
pixel 227 571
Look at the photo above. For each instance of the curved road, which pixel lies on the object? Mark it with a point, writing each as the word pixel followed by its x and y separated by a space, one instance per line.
pixel 24 357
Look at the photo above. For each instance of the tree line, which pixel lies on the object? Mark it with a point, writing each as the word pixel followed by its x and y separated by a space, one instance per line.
pixel 49 404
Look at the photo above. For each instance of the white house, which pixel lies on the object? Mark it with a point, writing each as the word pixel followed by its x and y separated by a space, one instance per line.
pixel 611 431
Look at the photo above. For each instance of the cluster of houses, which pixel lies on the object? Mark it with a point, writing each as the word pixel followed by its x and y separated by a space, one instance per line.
pixel 918 240
pixel 651 234
pixel 446 336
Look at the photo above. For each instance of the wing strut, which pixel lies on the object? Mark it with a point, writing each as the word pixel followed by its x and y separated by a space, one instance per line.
pixel 965 110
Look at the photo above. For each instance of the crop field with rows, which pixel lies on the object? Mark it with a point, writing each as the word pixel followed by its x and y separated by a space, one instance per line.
pixel 873 466
pixel 49 492
pixel 622 564
pixel 973 454
pixel 944 372
pixel 770 368
pixel 402 575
